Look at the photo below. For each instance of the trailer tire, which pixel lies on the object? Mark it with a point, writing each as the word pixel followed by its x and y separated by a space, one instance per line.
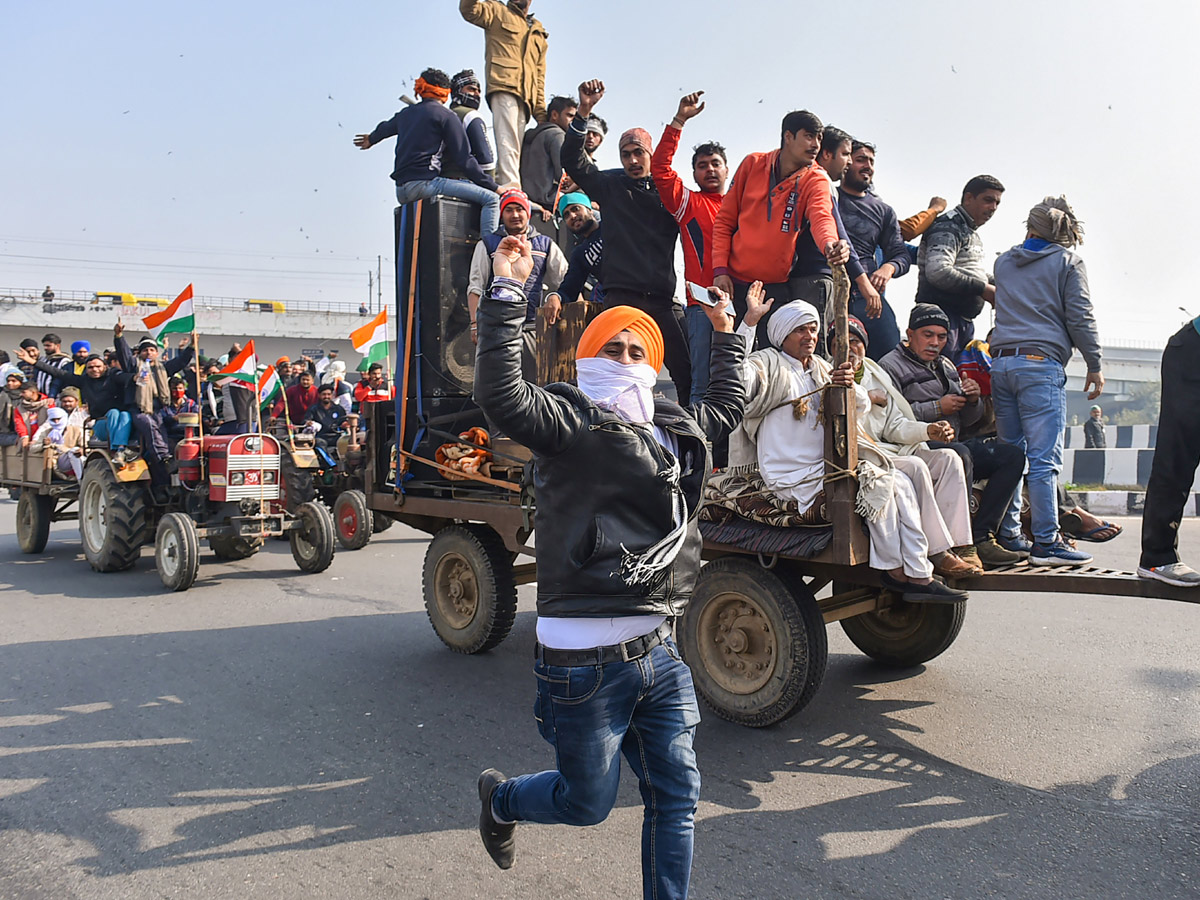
pixel 314 544
pixel 354 520
pixel 470 593
pixel 904 635
pixel 756 645
pixel 34 512
pixel 177 551
pixel 113 524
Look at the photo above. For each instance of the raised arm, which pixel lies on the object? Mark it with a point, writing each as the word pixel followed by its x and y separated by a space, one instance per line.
pixel 532 416
pixel 575 160
pixel 478 12
pixel 670 186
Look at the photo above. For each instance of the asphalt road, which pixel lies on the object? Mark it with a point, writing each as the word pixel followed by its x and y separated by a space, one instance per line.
pixel 271 734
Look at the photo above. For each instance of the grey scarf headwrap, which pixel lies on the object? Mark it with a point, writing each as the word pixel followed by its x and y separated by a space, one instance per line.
pixel 1053 220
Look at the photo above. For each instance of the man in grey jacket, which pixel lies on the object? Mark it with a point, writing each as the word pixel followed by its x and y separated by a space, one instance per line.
pixel 933 388
pixel 950 268
pixel 1043 312
pixel 541 153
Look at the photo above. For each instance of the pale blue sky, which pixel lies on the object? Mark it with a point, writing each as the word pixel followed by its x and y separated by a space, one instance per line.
pixel 200 142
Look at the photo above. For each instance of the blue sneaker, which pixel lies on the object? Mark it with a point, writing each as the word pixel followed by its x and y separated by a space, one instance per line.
pixel 1058 554
pixel 1016 544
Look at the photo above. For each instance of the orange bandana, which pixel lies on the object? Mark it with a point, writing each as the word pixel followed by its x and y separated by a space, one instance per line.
pixel 424 89
pixel 612 322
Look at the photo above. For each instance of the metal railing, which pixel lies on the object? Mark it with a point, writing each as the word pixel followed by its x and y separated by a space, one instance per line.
pixel 12 296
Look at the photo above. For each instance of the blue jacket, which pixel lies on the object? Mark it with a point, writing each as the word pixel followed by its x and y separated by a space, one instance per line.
pixel 533 285
pixel 426 133
pixel 584 264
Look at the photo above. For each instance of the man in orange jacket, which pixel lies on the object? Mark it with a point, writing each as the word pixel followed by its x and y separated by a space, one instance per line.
pixel 775 197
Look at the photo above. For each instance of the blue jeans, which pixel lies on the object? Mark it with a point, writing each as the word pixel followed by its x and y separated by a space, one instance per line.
pixel 645 709
pixel 699 332
pixel 489 217
pixel 1030 399
pixel 114 428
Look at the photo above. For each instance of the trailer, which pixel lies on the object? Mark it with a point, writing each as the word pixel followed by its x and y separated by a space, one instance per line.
pixel 755 631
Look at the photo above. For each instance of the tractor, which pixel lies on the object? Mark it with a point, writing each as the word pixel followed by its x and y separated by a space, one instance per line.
pixel 310 473
pixel 225 489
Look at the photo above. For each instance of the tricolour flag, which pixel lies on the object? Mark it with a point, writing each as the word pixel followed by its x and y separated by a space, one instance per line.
pixel 242 369
pixel 269 385
pixel 178 318
pixel 372 340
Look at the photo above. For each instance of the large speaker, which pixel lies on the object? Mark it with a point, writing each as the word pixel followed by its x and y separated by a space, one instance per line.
pixel 443 358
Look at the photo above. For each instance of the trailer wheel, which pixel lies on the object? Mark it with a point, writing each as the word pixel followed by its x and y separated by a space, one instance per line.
pixel 906 634
pixel 313 545
pixel 470 594
pixel 354 520
pixel 34 512
pixel 112 518
pixel 231 547
pixel 756 645
pixel 177 551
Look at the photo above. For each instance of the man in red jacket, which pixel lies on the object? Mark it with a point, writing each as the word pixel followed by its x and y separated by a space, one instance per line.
pixel 695 211
pixel 774 197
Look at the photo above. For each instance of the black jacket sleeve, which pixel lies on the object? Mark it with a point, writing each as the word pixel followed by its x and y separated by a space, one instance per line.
pixel 180 362
pixel 725 400
pixel 458 151
pixel 530 415
pixel 66 376
pixel 581 169
pixel 124 354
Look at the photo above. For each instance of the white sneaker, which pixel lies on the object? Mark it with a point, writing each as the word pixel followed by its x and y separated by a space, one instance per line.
pixel 1178 574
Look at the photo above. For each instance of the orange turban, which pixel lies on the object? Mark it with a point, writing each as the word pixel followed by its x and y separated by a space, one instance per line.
pixel 612 322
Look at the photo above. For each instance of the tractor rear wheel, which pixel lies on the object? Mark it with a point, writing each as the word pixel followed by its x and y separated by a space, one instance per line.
pixel 112 518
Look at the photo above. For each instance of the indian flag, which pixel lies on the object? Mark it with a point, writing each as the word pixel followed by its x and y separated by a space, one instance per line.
pixel 269 385
pixel 372 340
pixel 178 318
pixel 242 369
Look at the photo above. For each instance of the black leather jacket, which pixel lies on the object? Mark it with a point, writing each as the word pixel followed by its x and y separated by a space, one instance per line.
pixel 601 482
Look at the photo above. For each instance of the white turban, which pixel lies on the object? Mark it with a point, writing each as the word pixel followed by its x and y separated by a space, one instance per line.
pixel 788 318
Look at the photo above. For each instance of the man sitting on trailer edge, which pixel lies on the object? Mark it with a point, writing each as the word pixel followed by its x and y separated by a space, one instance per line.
pixel 610 678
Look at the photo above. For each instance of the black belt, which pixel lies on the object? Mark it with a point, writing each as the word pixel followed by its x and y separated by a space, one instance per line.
pixel 1022 351
pixel 598 656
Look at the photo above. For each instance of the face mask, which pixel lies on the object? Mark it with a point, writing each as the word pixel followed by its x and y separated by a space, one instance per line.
pixel 625 390
pixel 466 100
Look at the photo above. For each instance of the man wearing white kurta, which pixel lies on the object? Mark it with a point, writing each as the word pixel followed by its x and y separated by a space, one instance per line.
pixel 937 475
pixel 782 433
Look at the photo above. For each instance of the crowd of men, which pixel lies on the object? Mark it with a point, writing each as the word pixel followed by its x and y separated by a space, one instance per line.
pixel 50 397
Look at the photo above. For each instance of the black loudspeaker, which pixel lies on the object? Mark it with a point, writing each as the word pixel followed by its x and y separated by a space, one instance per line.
pixel 443 357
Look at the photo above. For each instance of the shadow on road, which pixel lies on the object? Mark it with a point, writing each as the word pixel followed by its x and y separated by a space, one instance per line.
pixel 241 742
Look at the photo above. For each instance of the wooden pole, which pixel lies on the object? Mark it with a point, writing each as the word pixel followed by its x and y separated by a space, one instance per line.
pixel 841 440
pixel 409 315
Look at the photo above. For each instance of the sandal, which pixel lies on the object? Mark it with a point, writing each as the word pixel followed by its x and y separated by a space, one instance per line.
pixel 1091 535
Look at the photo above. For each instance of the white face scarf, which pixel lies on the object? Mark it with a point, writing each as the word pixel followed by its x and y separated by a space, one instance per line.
pixel 627 390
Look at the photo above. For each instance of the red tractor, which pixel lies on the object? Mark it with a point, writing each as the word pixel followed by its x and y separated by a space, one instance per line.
pixel 226 489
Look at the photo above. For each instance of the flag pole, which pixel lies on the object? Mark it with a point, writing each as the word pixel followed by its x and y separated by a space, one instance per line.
pixel 199 399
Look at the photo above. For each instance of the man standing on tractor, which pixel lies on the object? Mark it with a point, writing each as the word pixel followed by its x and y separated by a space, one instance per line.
pixel 610 678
